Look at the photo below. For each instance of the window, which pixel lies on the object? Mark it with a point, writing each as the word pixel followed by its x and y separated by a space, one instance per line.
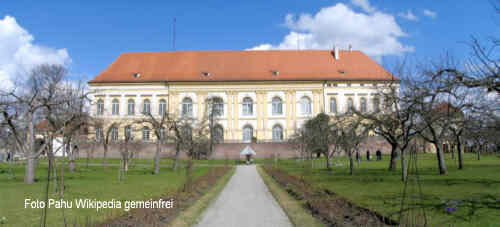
pixel 100 107
pixel 131 107
pixel 218 106
pixel 277 106
pixel 145 133
pixel 350 105
pixel 333 105
pixel 114 134
pixel 187 107
pixel 98 134
pixel 376 105
pixel 247 106
pixel 362 104
pixel 277 133
pixel 162 108
pixel 247 133
pixel 128 132
pixel 305 105
pixel 147 107
pixel 218 134
pixel 115 110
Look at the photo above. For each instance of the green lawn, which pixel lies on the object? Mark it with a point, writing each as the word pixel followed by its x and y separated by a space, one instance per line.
pixel 372 186
pixel 92 183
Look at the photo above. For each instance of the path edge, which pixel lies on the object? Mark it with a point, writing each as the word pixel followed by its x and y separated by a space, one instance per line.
pixel 293 208
pixel 192 215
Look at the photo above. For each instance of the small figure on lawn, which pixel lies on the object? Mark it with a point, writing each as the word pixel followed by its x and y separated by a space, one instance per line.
pixel 379 155
pixel 368 157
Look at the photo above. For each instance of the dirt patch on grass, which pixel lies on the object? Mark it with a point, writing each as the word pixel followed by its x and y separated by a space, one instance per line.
pixel 182 200
pixel 325 204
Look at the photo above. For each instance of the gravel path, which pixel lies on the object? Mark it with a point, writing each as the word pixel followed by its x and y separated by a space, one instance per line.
pixel 245 201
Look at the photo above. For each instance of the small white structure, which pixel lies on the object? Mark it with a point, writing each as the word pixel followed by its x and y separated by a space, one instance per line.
pixel 248 151
pixel 58 147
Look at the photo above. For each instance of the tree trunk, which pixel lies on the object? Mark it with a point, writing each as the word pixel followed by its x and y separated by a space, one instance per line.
pixel 177 153
pixel 71 156
pixel 480 148
pixel 460 156
pixel 351 164
pixel 392 164
pixel 29 176
pixel 61 189
pixel 404 167
pixel 157 158
pixel 328 160
pixel 105 161
pixel 440 159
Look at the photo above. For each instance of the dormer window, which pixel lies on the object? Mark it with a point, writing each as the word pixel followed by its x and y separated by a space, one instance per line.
pixel 206 73
pixel 276 73
pixel 137 75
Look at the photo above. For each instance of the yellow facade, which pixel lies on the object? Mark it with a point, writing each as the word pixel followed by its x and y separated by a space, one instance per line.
pixel 263 120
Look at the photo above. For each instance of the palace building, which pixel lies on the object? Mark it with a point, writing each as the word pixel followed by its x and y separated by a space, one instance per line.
pixel 262 94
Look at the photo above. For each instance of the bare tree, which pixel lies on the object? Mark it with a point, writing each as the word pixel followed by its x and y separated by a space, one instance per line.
pixel 159 123
pixel 352 135
pixel 34 99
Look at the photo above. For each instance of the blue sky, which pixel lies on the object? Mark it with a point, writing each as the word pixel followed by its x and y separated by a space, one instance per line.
pixel 90 35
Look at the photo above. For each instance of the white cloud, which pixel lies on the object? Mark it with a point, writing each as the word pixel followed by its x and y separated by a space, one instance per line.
pixel 364 4
pixel 430 13
pixel 408 15
pixel 376 34
pixel 18 53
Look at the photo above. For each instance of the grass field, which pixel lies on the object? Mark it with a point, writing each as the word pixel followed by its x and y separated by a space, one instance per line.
pixel 92 183
pixel 470 190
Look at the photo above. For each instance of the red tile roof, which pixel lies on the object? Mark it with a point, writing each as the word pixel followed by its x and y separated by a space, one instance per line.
pixel 292 65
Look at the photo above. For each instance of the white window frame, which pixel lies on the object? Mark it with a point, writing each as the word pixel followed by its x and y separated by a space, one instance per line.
pixel 277 106
pixel 247 106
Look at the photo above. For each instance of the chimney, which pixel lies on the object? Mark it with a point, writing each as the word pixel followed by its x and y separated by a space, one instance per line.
pixel 336 52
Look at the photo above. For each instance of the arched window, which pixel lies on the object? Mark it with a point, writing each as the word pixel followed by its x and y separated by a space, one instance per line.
pixel 131 107
pixel 100 107
pixel 145 133
pixel 114 134
pixel 98 134
pixel 277 133
pixel 218 133
pixel 162 108
pixel 247 106
pixel 350 105
pixel 128 132
pixel 277 106
pixel 187 107
pixel 305 105
pixel 146 107
pixel 376 105
pixel 333 105
pixel 115 107
pixel 362 105
pixel 218 106
pixel 247 133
